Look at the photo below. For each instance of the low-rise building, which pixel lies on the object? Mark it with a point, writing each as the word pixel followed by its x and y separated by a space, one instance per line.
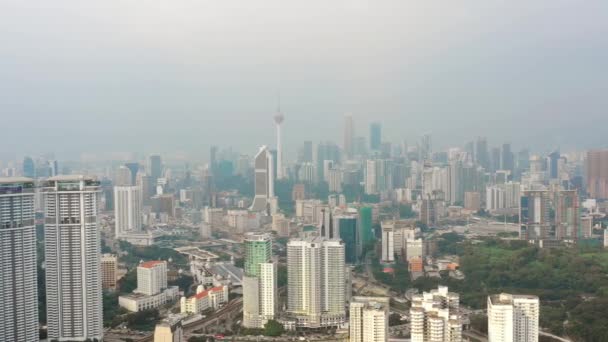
pixel 205 299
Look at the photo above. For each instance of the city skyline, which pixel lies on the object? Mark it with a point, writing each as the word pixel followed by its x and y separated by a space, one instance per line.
pixel 454 70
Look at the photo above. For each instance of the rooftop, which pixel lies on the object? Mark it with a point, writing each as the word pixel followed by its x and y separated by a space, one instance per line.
pixel 15 180
pixel 150 264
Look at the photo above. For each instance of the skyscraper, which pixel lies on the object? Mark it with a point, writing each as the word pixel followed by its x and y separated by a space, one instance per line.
pixel 567 215
pixel 259 281
pixel 29 169
pixel 18 274
pixel 278 120
pixel 435 318
pixel 365 225
pixel 508 160
pixel 134 168
pixel 369 319
pixel 264 200
pixel 597 173
pixel 307 152
pixel 72 251
pixel 155 168
pixel 326 151
pixel 513 318
pixel 122 176
pixel 481 153
pixel 375 136
pixel 534 215
pixel 349 135
pixel 316 289
pixel 127 209
pixel 347 227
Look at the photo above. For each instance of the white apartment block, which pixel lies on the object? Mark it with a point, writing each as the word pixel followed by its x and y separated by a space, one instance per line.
pixel 434 317
pixel 513 318
pixel 316 281
pixel 18 272
pixel 369 319
pixel 72 253
pixel 127 209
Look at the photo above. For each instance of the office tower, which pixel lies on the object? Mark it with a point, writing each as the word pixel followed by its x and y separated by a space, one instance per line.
pixel 53 168
pixel 264 200
pixel 109 265
pixel 388 242
pixel 347 226
pixel 326 151
pixel 18 272
pixel 534 217
pixel 307 152
pixel 523 160
pixel 349 135
pixel 259 281
pixel 155 168
pixel 596 167
pixel 513 318
pixel 151 277
pixel 369 319
pixel 134 168
pixel 316 282
pixel 552 164
pixel 434 317
pixel 428 211
pixel 567 215
pixel 278 120
pixel 127 209
pixel 365 225
pixel 72 252
pixel 481 153
pixel 495 159
pixel 375 136
pixel 425 147
pixel 507 158
pixel 29 169
pixel 122 176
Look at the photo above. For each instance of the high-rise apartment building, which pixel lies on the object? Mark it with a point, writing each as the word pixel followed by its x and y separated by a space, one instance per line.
pixel 122 176
pixel 316 291
pixel 264 200
pixel 388 242
pixel 369 319
pixel 534 218
pixel 259 281
pixel 378 176
pixel 109 266
pixel 567 215
pixel 127 209
pixel 72 252
pixel 596 167
pixel 18 273
pixel 513 318
pixel 434 317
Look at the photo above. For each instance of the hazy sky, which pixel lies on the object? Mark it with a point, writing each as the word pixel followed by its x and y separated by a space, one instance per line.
pixel 178 75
